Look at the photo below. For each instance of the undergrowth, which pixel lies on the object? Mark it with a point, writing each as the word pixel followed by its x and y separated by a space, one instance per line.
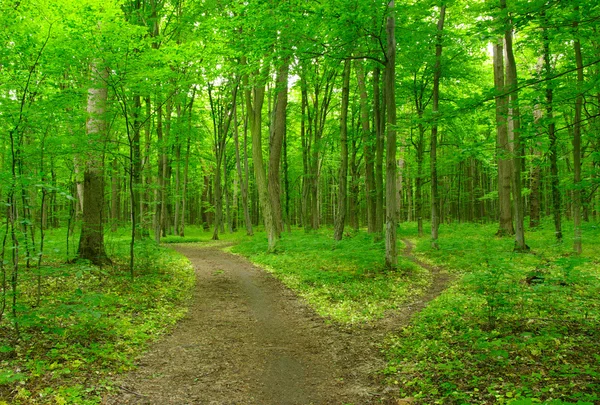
pixel 90 323
pixel 516 328
pixel 345 281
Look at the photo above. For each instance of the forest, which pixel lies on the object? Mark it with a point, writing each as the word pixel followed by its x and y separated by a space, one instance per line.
pixel 421 175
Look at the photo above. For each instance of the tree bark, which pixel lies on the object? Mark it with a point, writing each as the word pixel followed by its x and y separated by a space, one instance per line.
pixel 391 256
pixel 255 98
pixel 502 144
pixel 276 144
pixel 340 220
pixel 577 146
pixel 91 242
pixel 243 176
pixel 378 120
pixel 553 149
pixel 370 187
pixel 435 216
pixel 512 84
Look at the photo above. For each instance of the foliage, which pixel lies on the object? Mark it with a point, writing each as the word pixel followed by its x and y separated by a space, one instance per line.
pixel 90 323
pixel 516 328
pixel 345 281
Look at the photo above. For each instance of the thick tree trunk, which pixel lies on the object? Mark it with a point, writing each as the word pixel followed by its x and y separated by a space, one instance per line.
pixel 91 242
pixel 391 256
pixel 340 220
pixel 502 145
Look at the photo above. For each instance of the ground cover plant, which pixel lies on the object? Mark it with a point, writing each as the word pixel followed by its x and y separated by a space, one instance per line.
pixel 89 323
pixel 515 328
pixel 345 281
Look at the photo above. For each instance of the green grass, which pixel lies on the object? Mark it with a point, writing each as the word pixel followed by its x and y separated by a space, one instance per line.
pixel 90 323
pixel 345 281
pixel 516 328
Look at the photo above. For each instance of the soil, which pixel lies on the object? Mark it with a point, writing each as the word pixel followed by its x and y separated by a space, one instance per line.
pixel 247 339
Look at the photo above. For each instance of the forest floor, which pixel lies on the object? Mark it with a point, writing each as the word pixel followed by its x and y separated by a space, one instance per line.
pixel 247 339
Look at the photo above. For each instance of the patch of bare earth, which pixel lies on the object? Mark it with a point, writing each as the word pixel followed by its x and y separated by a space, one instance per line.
pixel 247 339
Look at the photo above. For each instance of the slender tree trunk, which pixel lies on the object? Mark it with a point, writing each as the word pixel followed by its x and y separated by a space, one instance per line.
pixel 552 149
pixel 378 119
pixel 419 178
pixel 340 220
pixel 391 256
pixel 502 144
pixel 136 167
pixel 114 196
pixel 435 216
pixel 306 146
pixel 536 176
pixel 254 104
pixel 276 144
pixel 577 145
pixel 512 84
pixel 370 187
pixel 159 192
pixel 242 176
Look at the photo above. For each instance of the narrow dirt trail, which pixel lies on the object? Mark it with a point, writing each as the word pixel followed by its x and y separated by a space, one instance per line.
pixel 247 339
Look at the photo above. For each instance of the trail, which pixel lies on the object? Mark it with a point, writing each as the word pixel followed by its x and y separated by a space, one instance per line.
pixel 247 339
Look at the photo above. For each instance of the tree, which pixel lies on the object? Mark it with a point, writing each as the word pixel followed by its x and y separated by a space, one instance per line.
pixel 391 256
pixel 91 241
pixel 343 176
pixel 435 216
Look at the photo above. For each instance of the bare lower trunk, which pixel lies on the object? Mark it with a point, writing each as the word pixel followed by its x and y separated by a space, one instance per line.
pixel 435 215
pixel 370 188
pixel 254 104
pixel 340 220
pixel 91 242
pixel 577 148
pixel 502 145
pixel 552 149
pixel 391 256
pixel 276 144
pixel 512 85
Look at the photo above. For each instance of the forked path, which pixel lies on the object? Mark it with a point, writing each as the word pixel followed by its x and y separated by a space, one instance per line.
pixel 247 339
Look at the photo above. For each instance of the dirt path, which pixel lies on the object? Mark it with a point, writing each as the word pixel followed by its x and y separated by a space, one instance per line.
pixel 249 340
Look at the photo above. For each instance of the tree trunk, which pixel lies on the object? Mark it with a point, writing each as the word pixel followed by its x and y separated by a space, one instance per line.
pixel 512 85
pixel 276 144
pixel 255 98
pixel 243 177
pixel 502 145
pixel 435 216
pixel 370 187
pixel 378 119
pixel 552 150
pixel 91 242
pixel 577 146
pixel 340 220
pixel 391 256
